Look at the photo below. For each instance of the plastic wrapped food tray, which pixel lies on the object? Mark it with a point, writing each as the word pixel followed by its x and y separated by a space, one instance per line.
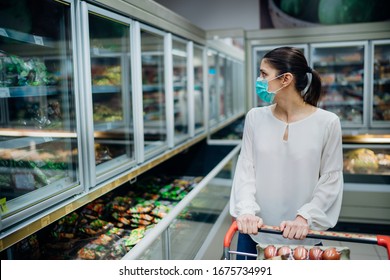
pixel 261 255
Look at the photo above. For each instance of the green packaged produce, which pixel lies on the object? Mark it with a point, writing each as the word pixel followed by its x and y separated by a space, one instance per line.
pixel 143 217
pixel 140 222
pixel 135 236
pixel 139 209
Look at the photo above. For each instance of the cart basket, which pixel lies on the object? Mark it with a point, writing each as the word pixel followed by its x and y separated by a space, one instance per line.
pixel 381 240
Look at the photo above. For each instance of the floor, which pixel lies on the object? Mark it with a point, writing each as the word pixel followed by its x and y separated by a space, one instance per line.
pixel 360 251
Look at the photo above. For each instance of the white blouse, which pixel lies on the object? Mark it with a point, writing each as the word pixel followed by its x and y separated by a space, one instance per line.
pixel 278 179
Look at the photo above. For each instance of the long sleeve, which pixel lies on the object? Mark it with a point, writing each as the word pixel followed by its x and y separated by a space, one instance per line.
pixel 323 210
pixel 244 183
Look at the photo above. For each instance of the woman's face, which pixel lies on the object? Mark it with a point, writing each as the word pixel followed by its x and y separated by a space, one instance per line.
pixel 269 73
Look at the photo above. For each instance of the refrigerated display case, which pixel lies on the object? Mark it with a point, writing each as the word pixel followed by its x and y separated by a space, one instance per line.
pixel 87 102
pixel 39 139
pixel 190 231
pixel 366 196
pixel 352 88
pixel 189 204
pixel 342 67
pixel 193 229
pixel 381 83
pixel 367 160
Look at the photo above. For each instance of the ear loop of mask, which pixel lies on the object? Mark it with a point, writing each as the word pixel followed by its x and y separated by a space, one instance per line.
pixel 309 79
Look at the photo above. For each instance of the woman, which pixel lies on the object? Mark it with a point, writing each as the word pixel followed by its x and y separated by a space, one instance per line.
pixel 289 172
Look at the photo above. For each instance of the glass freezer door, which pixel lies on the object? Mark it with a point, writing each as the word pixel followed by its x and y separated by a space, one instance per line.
pixel 38 134
pixel 229 88
pixel 180 94
pixel 212 60
pixel 198 88
pixel 342 67
pixel 153 87
pixel 221 82
pixel 381 84
pixel 109 50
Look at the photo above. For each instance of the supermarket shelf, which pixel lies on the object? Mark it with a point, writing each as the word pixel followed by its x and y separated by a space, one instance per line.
pixel 153 88
pixel 26 38
pixel 37 133
pixel 28 91
pixel 337 64
pixel 157 87
pixel 366 139
pixel 342 103
pixel 107 126
pixel 105 89
pixel 381 82
pixel 24 142
pixel 342 83
pixel 104 130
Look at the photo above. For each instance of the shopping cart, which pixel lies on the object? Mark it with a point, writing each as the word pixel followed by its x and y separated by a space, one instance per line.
pixel 381 240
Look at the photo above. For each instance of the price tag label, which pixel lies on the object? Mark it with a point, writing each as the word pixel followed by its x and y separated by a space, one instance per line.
pixel 38 40
pixel 24 181
pixel 95 51
pixel 4 92
pixel 45 221
pixel 47 139
pixel 3 32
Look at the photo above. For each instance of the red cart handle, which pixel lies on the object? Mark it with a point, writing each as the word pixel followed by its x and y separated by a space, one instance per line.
pixel 384 241
pixel 229 234
pixel 381 240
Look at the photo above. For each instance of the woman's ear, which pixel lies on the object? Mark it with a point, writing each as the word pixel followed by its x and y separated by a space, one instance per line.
pixel 287 79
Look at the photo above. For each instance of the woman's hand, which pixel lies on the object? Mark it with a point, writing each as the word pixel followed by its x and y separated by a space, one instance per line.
pixel 297 229
pixel 249 224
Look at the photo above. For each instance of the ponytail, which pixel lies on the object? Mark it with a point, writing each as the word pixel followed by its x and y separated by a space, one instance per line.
pixel 313 92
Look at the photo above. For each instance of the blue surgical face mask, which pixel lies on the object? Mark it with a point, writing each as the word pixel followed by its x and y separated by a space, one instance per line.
pixel 262 89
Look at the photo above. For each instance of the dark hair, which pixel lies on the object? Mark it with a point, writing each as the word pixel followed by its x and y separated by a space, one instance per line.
pixel 292 60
